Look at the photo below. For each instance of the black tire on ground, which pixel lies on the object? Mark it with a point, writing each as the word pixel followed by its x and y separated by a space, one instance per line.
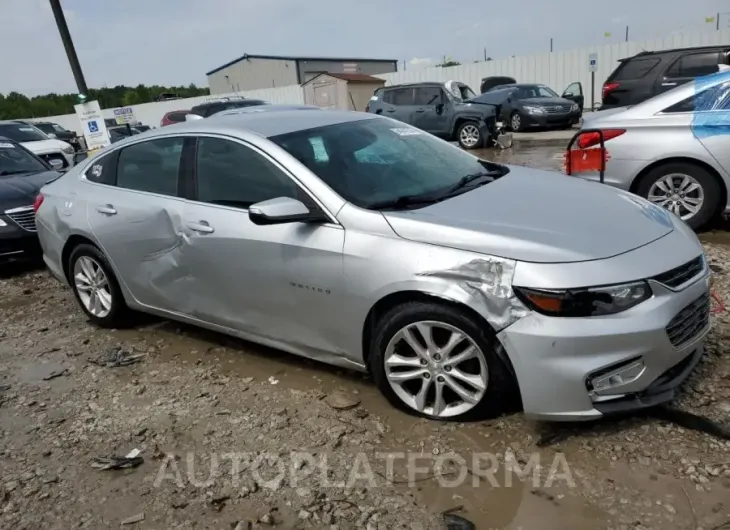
pixel 710 187
pixel 475 128
pixel 120 315
pixel 502 393
pixel 516 127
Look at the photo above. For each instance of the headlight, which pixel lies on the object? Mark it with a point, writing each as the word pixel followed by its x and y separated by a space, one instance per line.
pixel 534 110
pixel 574 107
pixel 3 223
pixel 68 150
pixel 589 302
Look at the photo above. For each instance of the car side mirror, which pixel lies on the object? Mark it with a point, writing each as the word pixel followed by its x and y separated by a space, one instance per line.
pixel 283 210
pixel 439 108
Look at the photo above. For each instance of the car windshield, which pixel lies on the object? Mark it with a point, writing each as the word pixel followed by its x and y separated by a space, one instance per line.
pixel 381 163
pixel 21 132
pixel 15 160
pixel 535 91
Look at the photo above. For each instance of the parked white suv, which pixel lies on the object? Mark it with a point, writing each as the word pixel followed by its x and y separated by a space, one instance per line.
pixel 56 152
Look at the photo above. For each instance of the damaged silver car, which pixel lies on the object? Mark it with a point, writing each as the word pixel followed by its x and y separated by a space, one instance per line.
pixel 466 288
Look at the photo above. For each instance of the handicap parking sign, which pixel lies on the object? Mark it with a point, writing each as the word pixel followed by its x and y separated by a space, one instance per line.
pixel 93 127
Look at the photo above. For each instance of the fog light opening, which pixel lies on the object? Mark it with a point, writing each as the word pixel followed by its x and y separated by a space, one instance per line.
pixel 615 376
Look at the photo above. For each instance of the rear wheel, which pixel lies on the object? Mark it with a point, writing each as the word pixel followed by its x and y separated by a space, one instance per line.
pixel 685 189
pixel 434 361
pixel 96 288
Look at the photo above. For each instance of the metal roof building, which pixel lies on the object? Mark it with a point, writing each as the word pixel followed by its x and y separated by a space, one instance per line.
pixel 251 72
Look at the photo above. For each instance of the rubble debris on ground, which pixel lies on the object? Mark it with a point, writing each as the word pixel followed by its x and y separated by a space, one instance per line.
pixel 117 356
pixel 130 460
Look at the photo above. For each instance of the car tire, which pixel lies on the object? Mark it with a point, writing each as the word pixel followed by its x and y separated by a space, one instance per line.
pixel 469 136
pixel 388 348
pixel 516 122
pixel 110 309
pixel 709 190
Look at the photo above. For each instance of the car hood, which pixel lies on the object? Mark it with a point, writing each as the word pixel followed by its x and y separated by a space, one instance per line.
pixel 537 216
pixel 544 102
pixel 45 146
pixel 475 107
pixel 21 190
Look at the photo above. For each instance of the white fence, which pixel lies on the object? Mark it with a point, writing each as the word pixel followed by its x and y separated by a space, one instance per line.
pixel 556 70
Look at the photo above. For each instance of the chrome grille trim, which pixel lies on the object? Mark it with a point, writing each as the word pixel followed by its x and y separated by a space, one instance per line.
pixel 556 109
pixel 679 276
pixel 24 217
pixel 690 322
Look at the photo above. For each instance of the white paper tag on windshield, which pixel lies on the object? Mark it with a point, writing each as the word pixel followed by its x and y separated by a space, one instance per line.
pixel 5 145
pixel 406 131
pixel 26 129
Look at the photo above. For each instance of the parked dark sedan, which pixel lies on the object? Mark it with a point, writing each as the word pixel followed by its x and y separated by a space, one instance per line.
pixel 22 174
pixel 523 106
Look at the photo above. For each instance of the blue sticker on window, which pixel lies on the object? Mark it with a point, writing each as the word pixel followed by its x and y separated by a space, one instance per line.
pixel 711 115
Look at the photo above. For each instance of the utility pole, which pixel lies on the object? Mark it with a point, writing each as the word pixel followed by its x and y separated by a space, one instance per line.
pixel 551 45
pixel 485 54
pixel 717 22
pixel 69 47
pixel 627 34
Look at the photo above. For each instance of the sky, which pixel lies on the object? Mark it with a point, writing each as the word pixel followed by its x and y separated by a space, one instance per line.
pixel 174 42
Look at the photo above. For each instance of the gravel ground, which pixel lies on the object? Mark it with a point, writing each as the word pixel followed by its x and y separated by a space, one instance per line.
pixel 236 436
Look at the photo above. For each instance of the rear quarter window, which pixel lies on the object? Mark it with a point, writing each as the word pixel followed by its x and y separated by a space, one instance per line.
pixel 634 69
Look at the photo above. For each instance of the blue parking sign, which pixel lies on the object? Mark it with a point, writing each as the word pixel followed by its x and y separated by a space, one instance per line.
pixel 93 127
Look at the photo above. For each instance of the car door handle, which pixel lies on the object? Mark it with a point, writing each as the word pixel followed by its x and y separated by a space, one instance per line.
pixel 390 110
pixel 669 84
pixel 107 209
pixel 202 227
pixel 420 110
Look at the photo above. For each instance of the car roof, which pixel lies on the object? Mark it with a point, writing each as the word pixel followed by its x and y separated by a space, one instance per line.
pixel 650 53
pixel 265 124
pixel 228 101
pixel 12 122
pixel 263 108
pixel 406 85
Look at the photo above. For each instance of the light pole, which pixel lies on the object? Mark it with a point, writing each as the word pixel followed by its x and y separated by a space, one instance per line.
pixel 69 47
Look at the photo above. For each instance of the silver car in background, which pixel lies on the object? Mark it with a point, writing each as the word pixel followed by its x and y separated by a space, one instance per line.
pixel 673 149
pixel 466 288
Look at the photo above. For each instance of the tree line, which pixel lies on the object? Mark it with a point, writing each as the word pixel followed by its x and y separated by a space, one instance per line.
pixel 15 105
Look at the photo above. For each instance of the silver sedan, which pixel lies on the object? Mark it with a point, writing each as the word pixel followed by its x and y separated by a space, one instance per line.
pixel 465 288
pixel 673 149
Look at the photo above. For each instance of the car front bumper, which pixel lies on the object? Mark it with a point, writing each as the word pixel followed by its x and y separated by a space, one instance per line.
pixel 551 120
pixel 564 366
pixel 18 246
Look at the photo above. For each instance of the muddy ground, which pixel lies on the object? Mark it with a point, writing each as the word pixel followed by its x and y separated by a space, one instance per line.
pixel 236 436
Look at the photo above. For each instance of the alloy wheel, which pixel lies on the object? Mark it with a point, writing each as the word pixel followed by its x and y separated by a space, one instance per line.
pixel 469 135
pixel 92 286
pixel 436 369
pixel 516 122
pixel 679 193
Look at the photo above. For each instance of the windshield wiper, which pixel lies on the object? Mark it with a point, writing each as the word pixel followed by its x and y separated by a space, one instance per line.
pixel 404 202
pixel 468 179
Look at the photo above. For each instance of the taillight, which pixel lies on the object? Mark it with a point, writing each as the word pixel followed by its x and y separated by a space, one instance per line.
pixel 607 88
pixel 367 107
pixel 590 139
pixel 37 202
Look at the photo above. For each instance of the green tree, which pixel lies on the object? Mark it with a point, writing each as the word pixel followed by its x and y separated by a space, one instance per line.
pixel 15 105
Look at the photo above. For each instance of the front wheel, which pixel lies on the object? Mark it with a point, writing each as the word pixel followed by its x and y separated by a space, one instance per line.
pixel 469 135
pixel 515 122
pixel 434 361
pixel 685 189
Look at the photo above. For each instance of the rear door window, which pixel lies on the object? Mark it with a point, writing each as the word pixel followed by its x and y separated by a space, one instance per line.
pixel 635 69
pixel 694 65
pixel 399 96
pixel 427 95
pixel 152 166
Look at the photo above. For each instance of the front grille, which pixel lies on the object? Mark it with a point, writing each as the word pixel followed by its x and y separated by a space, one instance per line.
pixel 690 321
pixel 57 161
pixel 24 217
pixel 682 274
pixel 555 109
